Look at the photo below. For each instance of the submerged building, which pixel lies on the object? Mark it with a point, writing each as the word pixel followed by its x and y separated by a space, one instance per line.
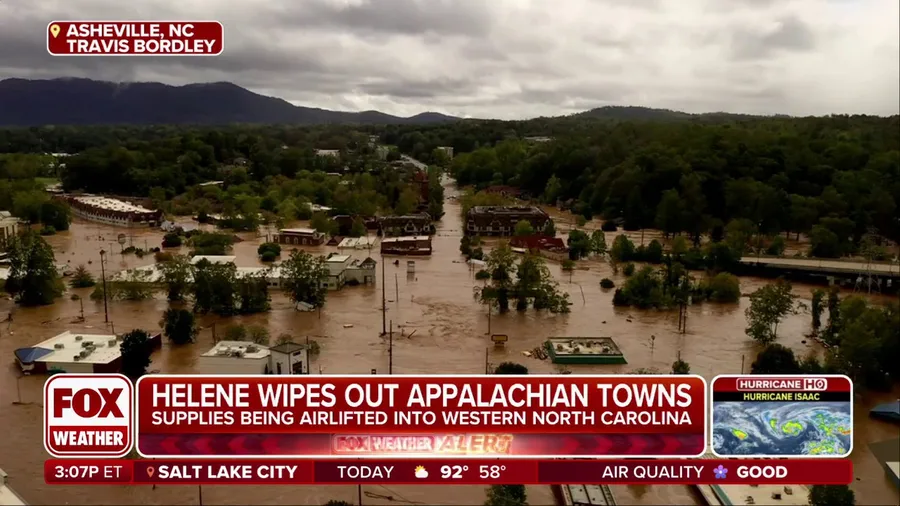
pixel 75 353
pixel 419 245
pixel 501 220
pixel 113 211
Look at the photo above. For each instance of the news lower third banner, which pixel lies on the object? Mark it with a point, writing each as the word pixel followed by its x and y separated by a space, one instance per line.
pixel 447 472
pixel 421 416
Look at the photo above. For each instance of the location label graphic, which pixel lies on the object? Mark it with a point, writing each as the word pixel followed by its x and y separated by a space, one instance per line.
pixel 135 38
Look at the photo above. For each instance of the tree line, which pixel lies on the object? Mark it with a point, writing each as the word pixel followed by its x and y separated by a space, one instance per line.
pixel 834 179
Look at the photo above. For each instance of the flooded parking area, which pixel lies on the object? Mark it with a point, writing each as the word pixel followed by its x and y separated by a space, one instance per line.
pixel 438 327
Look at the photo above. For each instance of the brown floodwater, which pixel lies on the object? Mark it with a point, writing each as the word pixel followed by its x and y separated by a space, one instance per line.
pixel 438 328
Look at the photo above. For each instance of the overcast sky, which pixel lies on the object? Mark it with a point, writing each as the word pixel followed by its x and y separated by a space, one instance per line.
pixel 507 58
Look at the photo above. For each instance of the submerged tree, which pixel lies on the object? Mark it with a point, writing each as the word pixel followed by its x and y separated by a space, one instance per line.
pixel 33 277
pixel 177 274
pixel 304 277
pixel 178 325
pixel 136 350
pixel 768 306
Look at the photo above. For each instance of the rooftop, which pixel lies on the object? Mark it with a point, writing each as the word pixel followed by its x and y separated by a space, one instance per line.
pixel 339 259
pixel 500 210
pixel 238 349
pixel 584 346
pixel 308 231
pixel 287 348
pixel 214 259
pixel 89 348
pixel 406 238
pixel 111 204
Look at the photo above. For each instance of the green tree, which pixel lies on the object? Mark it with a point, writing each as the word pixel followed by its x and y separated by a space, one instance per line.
pixel 552 190
pixel 55 213
pixel 775 359
pixel 817 307
pixel 579 244
pixel 258 334
pixel 33 277
pixel 622 249
pixel 669 213
pixel 358 229
pixel 506 495
pixel 580 221
pixel 501 265
pixel 81 278
pixel 831 495
pixel 598 243
pixel 177 274
pixel 178 325
pixel 136 350
pixel 323 224
pixel 407 202
pixel 171 240
pixel 523 229
pixel 768 306
pixel 235 333
pixel 252 290
pixel 549 229
pixel 215 288
pixel 723 287
pixel 510 368
pixel 681 367
pixel 304 277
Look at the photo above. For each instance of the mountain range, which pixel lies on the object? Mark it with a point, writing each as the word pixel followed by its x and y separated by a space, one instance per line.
pixel 75 101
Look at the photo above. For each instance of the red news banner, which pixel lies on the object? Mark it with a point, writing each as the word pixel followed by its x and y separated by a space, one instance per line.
pixel 73 38
pixel 469 471
pixel 421 416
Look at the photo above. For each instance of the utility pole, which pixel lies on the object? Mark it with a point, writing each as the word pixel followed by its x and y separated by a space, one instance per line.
pixel 105 291
pixel 391 349
pixel 307 355
pixel 359 494
pixel 396 289
pixel 383 299
pixel 490 310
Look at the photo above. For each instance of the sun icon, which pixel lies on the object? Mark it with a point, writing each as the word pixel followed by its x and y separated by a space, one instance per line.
pixel 421 473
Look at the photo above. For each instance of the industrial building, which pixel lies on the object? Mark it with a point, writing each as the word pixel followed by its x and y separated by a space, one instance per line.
pixel 113 211
pixel 75 353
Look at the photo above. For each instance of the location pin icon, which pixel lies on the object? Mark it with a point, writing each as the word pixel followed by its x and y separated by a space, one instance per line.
pixel 54 30
pixel 150 471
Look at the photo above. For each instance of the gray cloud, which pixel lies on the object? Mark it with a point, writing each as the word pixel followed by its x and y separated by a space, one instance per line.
pixel 508 58
pixel 789 34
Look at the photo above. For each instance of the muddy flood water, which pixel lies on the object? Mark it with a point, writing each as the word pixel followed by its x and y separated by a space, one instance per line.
pixel 438 328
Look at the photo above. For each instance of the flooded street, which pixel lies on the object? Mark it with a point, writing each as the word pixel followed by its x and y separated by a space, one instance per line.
pixel 439 327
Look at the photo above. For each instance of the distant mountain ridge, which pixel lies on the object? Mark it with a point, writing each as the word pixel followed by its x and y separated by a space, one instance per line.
pixel 75 101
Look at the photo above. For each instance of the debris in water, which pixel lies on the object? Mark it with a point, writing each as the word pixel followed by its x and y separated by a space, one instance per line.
pixel 803 341
pixel 628 320
pixel 348 325
pixel 603 322
pixel 526 353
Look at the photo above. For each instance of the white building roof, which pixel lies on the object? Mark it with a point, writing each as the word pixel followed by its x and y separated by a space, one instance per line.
pixel 357 242
pixel 405 238
pixel 238 350
pixel 110 204
pixel 337 259
pixel 153 274
pixel 214 259
pixel 316 207
pixel 309 231
pixel 66 346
